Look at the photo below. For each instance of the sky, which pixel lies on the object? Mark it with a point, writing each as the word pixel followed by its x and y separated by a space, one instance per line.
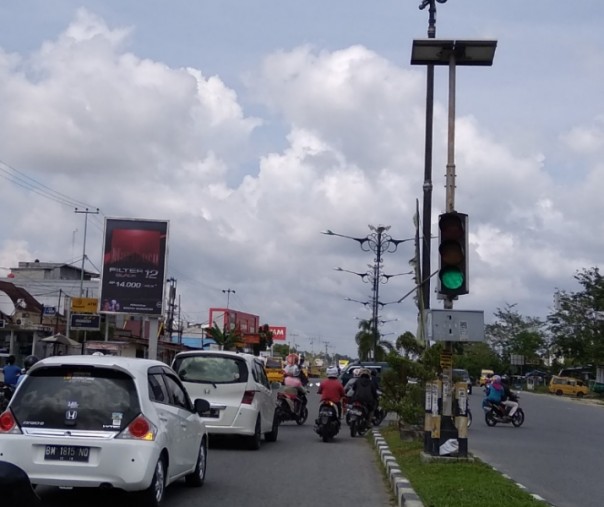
pixel 254 126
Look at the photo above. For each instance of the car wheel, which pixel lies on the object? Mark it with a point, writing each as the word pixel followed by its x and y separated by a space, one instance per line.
pixel 154 494
pixel 271 436
pixel 579 394
pixel 559 392
pixel 253 443
pixel 198 476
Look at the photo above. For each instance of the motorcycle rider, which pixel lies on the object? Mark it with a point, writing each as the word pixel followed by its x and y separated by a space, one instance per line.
pixel 293 383
pixel 27 364
pixel 364 391
pixel 495 393
pixel 331 389
pixel 11 372
pixel 509 399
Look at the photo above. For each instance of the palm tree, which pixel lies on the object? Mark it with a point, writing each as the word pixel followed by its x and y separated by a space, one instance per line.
pixel 227 339
pixel 365 340
pixel 410 346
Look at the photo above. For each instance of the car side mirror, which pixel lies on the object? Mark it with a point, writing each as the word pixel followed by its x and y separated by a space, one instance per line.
pixel 201 406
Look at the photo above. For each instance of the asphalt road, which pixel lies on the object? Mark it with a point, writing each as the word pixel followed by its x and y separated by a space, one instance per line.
pixel 299 469
pixel 556 453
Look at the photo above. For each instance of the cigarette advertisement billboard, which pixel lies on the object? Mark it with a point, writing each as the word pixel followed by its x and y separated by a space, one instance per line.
pixel 134 265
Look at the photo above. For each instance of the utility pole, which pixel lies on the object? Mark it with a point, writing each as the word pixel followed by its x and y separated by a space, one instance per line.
pixel 86 212
pixel 228 292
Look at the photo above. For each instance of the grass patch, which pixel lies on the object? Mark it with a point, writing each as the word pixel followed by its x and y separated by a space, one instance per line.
pixel 455 484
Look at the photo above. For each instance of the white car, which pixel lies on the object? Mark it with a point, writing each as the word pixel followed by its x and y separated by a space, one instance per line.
pixel 105 421
pixel 242 401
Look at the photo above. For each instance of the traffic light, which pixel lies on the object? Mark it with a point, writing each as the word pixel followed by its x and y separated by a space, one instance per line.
pixel 453 254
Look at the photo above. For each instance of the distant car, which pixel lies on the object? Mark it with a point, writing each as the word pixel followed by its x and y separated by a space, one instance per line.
pixel 242 401
pixel 348 372
pixel 461 375
pixel 105 421
pixel 274 369
pixel 567 385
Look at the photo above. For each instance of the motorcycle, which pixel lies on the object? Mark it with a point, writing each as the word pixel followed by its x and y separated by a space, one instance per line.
pixel 327 424
pixel 6 393
pixel 291 406
pixel 498 413
pixel 358 419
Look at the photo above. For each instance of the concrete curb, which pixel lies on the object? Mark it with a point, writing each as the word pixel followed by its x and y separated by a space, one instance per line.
pixel 405 494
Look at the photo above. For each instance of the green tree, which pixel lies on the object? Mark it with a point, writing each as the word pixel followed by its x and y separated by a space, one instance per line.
pixel 365 340
pixel 576 325
pixel 513 333
pixel 280 350
pixel 266 339
pixel 225 339
pixel 474 357
pixel 409 345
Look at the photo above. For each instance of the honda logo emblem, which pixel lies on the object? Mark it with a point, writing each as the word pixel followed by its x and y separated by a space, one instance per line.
pixel 71 415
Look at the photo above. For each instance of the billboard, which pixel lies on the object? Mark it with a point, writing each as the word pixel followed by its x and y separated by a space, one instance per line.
pixel 279 333
pixel 134 265
pixel 85 321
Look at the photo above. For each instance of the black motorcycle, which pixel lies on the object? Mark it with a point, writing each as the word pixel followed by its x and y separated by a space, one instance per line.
pixel 358 419
pixel 6 393
pixel 498 413
pixel 327 424
pixel 292 406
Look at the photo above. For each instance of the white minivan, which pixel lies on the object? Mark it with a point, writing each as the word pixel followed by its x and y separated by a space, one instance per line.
pixel 242 401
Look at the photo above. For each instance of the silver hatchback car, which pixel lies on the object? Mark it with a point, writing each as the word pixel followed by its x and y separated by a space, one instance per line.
pixel 105 421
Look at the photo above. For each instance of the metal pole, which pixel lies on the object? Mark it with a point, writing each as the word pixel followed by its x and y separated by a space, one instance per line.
pixel 376 291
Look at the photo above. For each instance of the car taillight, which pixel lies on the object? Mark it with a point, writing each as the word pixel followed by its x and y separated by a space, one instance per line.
pixel 7 422
pixel 141 429
pixel 248 397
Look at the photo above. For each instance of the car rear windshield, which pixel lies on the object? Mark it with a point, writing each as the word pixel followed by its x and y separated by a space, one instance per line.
pixel 462 374
pixel 273 363
pixel 76 398
pixel 211 369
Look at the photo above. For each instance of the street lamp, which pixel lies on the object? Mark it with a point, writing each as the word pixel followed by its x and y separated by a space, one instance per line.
pixel 379 242
pixel 452 53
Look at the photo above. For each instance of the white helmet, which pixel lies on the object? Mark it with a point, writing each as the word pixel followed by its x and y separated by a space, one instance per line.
pixel 332 372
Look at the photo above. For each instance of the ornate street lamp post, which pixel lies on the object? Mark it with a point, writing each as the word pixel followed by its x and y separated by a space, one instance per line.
pixel 379 242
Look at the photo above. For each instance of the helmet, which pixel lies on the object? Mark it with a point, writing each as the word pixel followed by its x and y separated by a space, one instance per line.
pixel 29 362
pixel 496 379
pixel 504 379
pixel 365 372
pixel 332 372
pixel 357 372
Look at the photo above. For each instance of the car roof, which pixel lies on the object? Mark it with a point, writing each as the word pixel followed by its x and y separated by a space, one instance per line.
pixel 132 364
pixel 217 353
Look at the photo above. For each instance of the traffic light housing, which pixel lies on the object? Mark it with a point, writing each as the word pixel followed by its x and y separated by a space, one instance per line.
pixel 453 254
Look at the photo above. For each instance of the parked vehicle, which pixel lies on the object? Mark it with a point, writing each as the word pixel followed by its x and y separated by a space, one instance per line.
pixel 568 385
pixel 358 419
pixel 327 425
pixel 292 405
pixel 242 400
pixel 461 375
pixel 105 421
pixel 498 413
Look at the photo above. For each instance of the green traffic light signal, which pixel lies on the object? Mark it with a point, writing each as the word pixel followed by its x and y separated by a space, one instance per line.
pixel 451 278
pixel 453 248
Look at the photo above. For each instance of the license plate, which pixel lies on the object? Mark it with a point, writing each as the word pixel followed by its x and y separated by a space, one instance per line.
pixel 354 411
pixel 66 453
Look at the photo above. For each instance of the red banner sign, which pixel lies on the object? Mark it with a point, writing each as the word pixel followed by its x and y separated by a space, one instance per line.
pixel 279 333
